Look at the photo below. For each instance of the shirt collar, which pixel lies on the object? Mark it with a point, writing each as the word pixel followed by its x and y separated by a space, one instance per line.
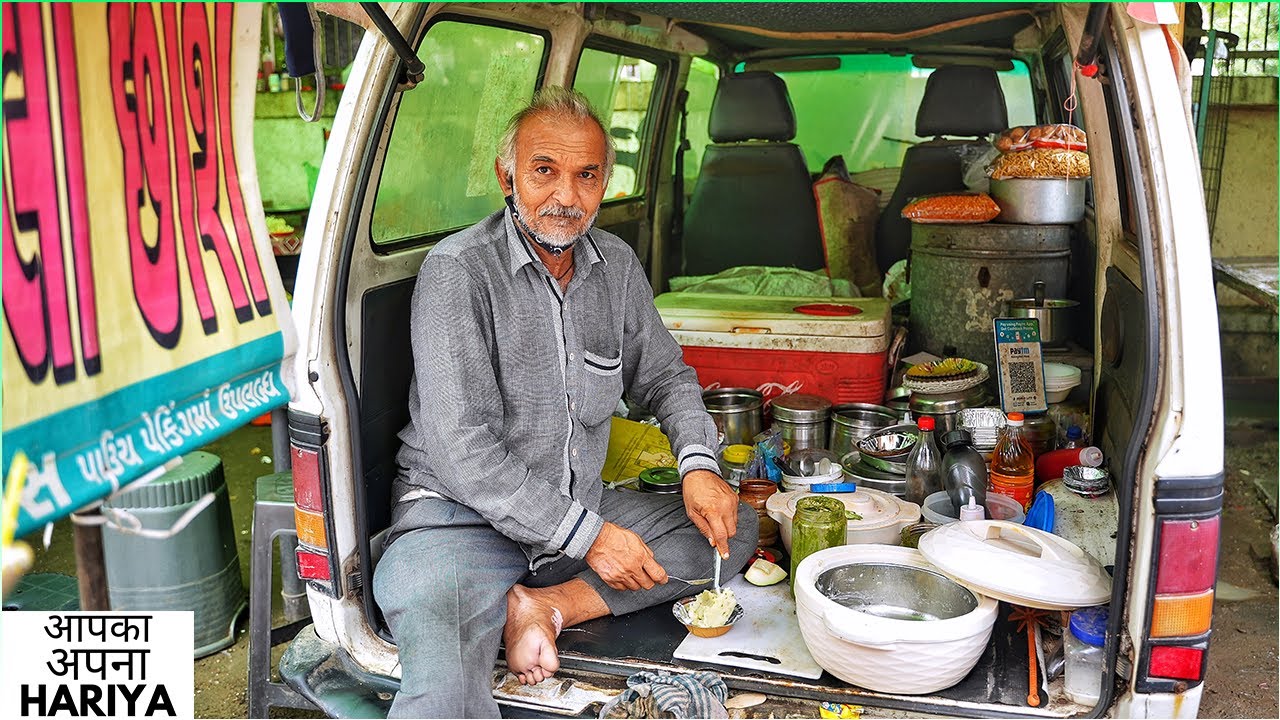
pixel 522 254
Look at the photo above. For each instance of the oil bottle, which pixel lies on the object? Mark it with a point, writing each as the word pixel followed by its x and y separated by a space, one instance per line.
pixel 1013 468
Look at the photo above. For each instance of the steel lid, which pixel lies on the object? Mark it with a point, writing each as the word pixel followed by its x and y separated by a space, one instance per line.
pixel 946 403
pixel 1017 564
pixel 801 407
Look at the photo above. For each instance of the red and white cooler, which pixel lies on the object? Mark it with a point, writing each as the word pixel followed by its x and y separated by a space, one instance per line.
pixel 832 347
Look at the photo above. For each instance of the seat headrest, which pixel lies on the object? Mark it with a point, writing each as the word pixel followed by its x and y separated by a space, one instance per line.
pixel 962 100
pixel 751 106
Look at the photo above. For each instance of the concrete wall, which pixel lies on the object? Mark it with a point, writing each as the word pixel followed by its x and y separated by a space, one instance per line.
pixel 1247 209
pixel 1247 227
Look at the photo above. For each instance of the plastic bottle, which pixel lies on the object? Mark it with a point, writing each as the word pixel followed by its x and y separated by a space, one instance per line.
pixel 924 465
pixel 1075 439
pixel 964 472
pixel 1049 466
pixel 1083 646
pixel 972 511
pixel 1013 469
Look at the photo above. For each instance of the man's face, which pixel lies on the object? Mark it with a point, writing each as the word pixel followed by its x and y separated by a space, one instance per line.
pixel 558 178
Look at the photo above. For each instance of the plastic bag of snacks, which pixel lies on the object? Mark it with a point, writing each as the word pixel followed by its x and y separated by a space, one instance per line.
pixel 1052 137
pixel 1041 163
pixel 952 208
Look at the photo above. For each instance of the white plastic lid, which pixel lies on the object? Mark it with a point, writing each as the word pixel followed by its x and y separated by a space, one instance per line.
pixel 877 509
pixel 1017 564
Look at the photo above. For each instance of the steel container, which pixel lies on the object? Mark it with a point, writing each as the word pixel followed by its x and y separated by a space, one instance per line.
pixel 853 421
pixel 738 413
pixel 1054 315
pixel 802 420
pixel 961 276
pixel 1039 201
pixel 945 408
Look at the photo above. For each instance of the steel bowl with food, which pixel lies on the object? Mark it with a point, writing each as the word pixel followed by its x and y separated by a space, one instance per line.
pixel 1039 201
pixel 693 612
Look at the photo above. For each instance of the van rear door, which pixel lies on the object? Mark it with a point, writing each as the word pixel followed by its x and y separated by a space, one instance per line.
pixel 1158 386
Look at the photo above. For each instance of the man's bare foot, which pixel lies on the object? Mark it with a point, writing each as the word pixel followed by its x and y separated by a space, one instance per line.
pixel 530 635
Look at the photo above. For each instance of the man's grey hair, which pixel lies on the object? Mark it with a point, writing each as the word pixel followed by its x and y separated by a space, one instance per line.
pixel 557 102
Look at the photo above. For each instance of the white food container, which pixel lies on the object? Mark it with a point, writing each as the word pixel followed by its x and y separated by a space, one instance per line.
pixel 875 636
pixel 883 515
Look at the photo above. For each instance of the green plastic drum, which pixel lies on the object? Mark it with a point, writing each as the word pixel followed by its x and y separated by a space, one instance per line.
pixel 197 569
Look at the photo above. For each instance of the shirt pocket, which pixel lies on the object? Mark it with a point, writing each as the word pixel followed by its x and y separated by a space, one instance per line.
pixel 602 387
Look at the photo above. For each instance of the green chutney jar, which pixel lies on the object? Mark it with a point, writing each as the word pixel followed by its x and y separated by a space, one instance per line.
pixel 819 523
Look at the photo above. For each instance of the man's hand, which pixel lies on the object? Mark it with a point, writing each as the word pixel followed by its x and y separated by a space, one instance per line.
pixel 712 506
pixel 623 560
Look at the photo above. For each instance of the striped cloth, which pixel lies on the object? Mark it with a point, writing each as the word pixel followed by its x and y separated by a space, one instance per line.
pixel 695 695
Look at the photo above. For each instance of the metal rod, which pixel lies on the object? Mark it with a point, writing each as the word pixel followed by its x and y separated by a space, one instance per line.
pixel 1094 26
pixel 1206 78
pixel 91 566
pixel 413 67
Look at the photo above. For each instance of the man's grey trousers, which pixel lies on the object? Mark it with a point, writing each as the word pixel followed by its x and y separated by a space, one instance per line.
pixel 442 587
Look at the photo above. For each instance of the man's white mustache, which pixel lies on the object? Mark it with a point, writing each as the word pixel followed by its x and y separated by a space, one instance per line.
pixel 572 213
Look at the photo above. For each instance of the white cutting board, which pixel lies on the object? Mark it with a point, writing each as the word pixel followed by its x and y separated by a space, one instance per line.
pixel 768 629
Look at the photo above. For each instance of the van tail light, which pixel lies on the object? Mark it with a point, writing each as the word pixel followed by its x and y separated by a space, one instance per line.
pixel 316 562
pixel 1177 663
pixel 1181 610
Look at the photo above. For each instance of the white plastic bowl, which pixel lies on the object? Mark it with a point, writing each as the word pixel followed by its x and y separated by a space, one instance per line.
pixel 888 654
pixel 937 508
pixel 1059 380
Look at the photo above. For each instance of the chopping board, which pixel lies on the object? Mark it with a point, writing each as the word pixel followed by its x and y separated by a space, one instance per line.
pixel 766 638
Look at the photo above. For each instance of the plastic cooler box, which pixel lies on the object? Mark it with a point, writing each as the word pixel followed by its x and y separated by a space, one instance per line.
pixel 832 347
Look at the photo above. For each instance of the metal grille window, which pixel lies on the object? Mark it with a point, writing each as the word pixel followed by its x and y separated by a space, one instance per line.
pixel 1257 25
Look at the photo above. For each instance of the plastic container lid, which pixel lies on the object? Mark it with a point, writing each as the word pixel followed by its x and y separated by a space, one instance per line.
pixel 1015 419
pixel 1089 624
pixel 1074 433
pixel 1017 564
pixel 737 454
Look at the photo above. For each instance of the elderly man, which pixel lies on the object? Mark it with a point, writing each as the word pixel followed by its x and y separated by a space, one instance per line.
pixel 526 329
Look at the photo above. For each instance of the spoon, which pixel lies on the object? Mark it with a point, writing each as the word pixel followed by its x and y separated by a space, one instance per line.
pixel 702 581
pixel 717 578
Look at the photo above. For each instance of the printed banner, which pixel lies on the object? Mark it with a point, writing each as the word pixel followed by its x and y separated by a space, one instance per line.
pixel 143 313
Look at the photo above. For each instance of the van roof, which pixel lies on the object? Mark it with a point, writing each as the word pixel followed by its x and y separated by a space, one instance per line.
pixel 775 27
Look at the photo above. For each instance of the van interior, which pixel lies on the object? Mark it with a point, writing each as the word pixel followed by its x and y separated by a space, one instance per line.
pixel 723 114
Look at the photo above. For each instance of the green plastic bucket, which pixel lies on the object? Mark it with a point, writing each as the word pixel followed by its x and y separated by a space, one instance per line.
pixel 197 569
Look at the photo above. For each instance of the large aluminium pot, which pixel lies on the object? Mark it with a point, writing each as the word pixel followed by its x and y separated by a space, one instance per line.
pixel 962 276
pixel 883 618
pixel 1054 314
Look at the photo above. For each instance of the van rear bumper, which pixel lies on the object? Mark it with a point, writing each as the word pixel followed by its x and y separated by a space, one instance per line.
pixel 325 675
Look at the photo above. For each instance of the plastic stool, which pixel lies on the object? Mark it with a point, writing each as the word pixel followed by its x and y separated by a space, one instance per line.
pixel 272 517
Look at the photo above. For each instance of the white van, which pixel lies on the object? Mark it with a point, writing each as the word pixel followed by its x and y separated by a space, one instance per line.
pixel 407 166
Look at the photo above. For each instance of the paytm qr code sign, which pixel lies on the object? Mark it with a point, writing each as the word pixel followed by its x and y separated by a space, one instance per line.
pixel 97 664
pixel 1021 367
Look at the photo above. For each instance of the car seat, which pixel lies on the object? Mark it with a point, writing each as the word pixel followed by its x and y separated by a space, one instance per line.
pixel 959 101
pixel 753 201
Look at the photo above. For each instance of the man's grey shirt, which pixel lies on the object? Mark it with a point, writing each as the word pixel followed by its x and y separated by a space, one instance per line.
pixel 515 383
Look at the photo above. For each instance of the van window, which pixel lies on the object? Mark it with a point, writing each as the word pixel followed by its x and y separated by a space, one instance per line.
pixel 621 89
pixel 438 172
pixel 701 85
pixel 866 109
